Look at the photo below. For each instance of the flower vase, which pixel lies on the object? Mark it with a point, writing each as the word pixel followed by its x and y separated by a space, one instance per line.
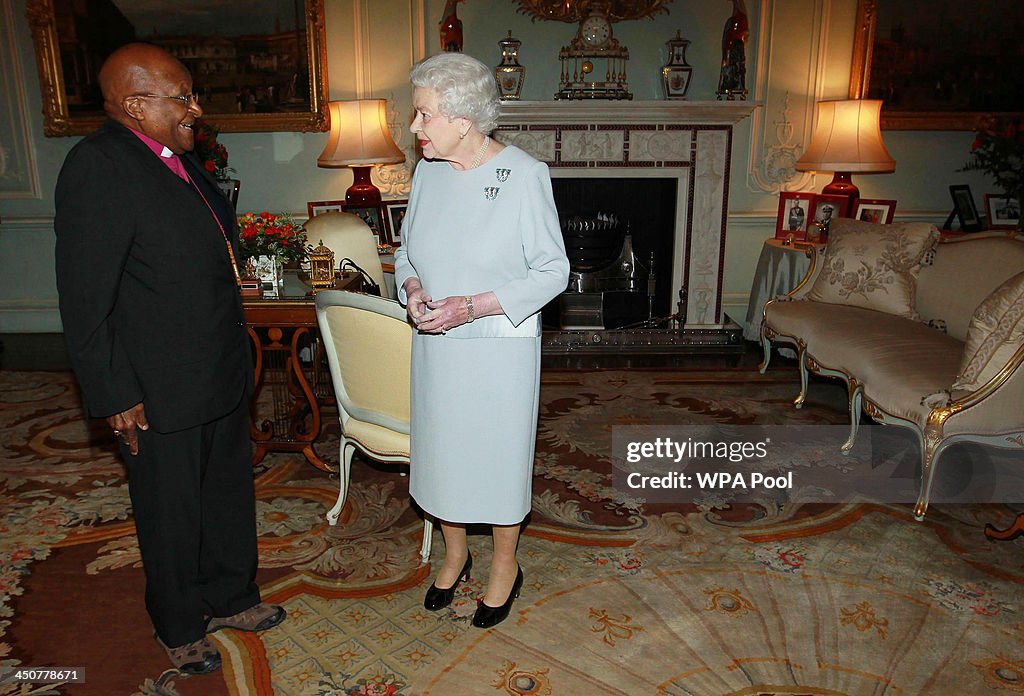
pixel 270 271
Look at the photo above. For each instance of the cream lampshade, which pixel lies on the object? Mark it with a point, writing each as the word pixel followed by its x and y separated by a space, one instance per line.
pixel 360 139
pixel 847 138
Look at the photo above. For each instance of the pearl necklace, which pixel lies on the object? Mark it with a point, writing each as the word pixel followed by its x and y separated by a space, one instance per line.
pixel 480 153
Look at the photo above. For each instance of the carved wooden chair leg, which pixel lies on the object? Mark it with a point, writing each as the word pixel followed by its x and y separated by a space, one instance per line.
pixel 802 360
pixel 931 447
pixel 347 450
pixel 1008 534
pixel 766 348
pixel 856 393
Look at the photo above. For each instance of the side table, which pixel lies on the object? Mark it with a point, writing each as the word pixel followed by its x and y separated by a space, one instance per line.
pixel 292 380
pixel 779 269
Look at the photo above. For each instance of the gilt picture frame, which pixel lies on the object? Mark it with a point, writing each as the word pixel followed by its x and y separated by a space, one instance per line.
pixel 937 69
pixel 255 69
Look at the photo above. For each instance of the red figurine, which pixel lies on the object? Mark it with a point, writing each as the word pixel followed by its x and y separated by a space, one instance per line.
pixel 451 28
pixel 733 81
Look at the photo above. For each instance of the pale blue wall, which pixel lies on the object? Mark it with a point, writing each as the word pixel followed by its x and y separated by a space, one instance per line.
pixel 278 170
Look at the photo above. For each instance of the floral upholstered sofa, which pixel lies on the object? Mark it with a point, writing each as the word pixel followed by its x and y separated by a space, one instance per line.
pixel 927 335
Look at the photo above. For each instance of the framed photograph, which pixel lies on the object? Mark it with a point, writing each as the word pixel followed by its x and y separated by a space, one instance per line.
pixel 795 210
pixel 314 208
pixel 229 187
pixel 1002 210
pixel 255 66
pixel 372 217
pixel 877 210
pixel 933 64
pixel 964 207
pixel 394 215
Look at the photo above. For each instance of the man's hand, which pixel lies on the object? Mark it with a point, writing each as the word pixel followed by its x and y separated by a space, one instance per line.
pixel 126 425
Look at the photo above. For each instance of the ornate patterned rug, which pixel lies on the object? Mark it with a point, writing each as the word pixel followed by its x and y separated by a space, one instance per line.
pixel 620 597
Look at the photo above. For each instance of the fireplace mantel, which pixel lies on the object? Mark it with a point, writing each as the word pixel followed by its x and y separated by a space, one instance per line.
pixel 721 113
pixel 689 141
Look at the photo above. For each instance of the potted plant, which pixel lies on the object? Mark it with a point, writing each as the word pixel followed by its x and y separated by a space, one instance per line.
pixel 998 150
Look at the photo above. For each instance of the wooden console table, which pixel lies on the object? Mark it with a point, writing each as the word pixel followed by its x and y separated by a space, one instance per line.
pixel 292 381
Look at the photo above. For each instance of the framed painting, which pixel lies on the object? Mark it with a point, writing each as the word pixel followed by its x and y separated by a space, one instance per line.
pixel 877 210
pixel 795 210
pixel 255 66
pixel 314 208
pixel 230 188
pixel 371 215
pixel 1002 211
pixel 964 208
pixel 826 208
pixel 938 64
pixel 394 216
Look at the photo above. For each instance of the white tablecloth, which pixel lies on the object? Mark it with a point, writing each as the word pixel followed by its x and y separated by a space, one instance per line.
pixel 779 269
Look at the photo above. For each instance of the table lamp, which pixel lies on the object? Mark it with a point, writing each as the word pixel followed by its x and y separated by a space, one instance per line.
pixel 360 139
pixel 847 138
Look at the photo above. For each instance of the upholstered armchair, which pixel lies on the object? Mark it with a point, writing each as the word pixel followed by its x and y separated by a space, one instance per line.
pixel 369 349
pixel 349 237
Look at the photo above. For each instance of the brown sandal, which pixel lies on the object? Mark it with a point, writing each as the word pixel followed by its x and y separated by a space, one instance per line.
pixel 197 657
pixel 258 617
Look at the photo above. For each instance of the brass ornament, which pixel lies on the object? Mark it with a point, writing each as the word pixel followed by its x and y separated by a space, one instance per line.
pixel 594 45
pixel 321 268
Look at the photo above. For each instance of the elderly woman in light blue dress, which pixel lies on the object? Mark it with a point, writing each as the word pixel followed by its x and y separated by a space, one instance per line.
pixel 482 254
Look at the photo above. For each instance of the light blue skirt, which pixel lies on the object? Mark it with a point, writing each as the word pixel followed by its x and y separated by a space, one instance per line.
pixel 474 427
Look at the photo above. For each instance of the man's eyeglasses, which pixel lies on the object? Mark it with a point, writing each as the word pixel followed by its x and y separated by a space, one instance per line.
pixel 186 99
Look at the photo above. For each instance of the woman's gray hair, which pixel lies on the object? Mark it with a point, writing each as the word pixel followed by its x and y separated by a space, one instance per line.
pixel 465 87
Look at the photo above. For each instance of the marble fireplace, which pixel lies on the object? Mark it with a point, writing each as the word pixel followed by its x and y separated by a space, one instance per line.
pixel 688 142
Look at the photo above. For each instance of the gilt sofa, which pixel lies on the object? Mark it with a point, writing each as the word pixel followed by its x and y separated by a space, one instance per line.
pixel 927 334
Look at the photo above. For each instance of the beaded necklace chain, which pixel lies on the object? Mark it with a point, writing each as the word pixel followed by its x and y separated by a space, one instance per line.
pixel 480 153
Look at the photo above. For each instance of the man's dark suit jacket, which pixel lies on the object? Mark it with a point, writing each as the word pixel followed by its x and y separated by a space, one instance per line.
pixel 148 299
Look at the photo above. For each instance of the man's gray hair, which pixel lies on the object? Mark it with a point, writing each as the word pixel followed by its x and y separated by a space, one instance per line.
pixel 465 88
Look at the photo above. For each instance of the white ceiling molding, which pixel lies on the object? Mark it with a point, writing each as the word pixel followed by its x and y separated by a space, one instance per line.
pixel 792 45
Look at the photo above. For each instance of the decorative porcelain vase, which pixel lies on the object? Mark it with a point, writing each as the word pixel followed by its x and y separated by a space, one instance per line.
pixel 270 272
pixel 675 75
pixel 510 74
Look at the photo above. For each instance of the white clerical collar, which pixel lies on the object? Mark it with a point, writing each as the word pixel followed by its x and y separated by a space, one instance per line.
pixel 166 152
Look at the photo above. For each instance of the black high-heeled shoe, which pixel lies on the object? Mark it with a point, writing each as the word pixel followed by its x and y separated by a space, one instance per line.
pixel 487 616
pixel 437 598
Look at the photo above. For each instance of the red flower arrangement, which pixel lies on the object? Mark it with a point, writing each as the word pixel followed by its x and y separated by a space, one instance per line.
pixel 267 234
pixel 212 154
pixel 998 150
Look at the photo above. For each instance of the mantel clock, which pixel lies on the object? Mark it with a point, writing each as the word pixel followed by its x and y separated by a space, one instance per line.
pixel 594 62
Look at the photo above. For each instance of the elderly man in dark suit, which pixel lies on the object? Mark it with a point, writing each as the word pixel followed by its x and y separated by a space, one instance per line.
pixel 149 299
